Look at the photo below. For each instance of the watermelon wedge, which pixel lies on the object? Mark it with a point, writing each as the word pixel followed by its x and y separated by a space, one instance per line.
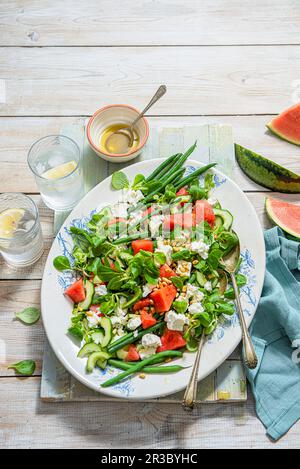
pixel 267 173
pixel 285 215
pixel 287 125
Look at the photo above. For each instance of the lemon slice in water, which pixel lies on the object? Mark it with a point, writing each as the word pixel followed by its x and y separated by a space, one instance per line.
pixel 9 220
pixel 60 171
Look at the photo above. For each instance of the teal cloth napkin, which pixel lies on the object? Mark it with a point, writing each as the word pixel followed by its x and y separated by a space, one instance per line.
pixel 275 331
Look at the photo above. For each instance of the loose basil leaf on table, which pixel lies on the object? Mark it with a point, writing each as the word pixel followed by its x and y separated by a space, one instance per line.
pixel 24 367
pixel 29 315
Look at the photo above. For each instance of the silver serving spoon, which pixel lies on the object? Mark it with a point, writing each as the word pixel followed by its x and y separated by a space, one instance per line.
pixel 117 138
pixel 190 394
pixel 229 264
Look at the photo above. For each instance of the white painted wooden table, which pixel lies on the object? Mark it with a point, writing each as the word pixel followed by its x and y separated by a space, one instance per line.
pixel 233 62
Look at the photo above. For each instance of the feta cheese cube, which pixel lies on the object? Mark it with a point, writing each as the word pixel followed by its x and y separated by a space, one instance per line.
pixel 200 248
pixel 166 249
pixel 131 196
pixel 119 210
pixel 175 321
pixel 145 352
pixel 194 293
pixel 93 319
pixel 134 323
pixel 151 340
pixel 147 289
pixel 155 223
pixel 196 308
pixel 101 290
pixel 135 217
pixel 184 268
pixel 118 321
pixel 208 286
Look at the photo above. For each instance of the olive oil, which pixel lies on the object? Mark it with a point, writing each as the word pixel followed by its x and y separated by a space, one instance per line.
pixel 118 143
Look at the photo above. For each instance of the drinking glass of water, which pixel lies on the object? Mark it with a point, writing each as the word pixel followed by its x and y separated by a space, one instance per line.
pixel 21 240
pixel 55 161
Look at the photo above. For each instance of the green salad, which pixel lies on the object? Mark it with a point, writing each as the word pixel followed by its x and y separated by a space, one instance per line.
pixel 150 277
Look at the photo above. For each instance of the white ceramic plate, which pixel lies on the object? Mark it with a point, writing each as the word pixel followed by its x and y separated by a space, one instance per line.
pixel 56 309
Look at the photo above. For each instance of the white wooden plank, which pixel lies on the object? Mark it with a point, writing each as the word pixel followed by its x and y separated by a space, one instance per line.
pixel 200 80
pixel 26 422
pixel 18 341
pixel 37 23
pixel 17 134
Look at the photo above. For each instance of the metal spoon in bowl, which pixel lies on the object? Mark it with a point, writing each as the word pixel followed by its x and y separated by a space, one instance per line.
pixel 229 264
pixel 190 394
pixel 127 132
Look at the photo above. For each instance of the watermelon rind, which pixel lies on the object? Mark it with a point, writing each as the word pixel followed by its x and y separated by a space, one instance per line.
pixel 274 218
pixel 267 173
pixel 271 127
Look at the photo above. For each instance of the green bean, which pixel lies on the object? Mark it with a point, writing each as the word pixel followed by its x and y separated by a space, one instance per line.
pixel 130 334
pixel 166 170
pixel 128 239
pixel 130 338
pixel 178 178
pixel 181 160
pixel 164 183
pixel 166 163
pixel 148 369
pixel 139 366
pixel 192 176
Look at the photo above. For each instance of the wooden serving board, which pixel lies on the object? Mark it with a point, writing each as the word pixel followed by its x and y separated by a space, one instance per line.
pixel 215 143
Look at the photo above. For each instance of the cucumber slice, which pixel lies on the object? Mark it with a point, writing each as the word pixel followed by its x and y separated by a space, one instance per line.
pixel 217 205
pixel 102 364
pixel 89 293
pixel 218 222
pixel 106 324
pixel 93 359
pixel 87 349
pixel 201 279
pixel 122 352
pixel 226 217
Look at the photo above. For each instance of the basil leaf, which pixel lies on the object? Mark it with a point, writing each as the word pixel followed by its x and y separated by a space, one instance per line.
pixel 116 282
pixel 241 280
pixel 76 331
pixel 139 178
pixel 29 315
pixel 197 192
pixel 184 254
pixel 209 182
pixel 119 180
pixel 178 282
pixel 180 306
pixel 61 263
pixel 106 273
pixel 25 367
pixel 214 256
pixel 225 308
pixel 159 258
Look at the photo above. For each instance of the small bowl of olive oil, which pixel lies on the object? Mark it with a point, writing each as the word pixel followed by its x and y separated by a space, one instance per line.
pixel 112 146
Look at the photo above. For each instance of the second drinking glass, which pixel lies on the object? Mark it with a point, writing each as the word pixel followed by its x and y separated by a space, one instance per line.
pixel 55 161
